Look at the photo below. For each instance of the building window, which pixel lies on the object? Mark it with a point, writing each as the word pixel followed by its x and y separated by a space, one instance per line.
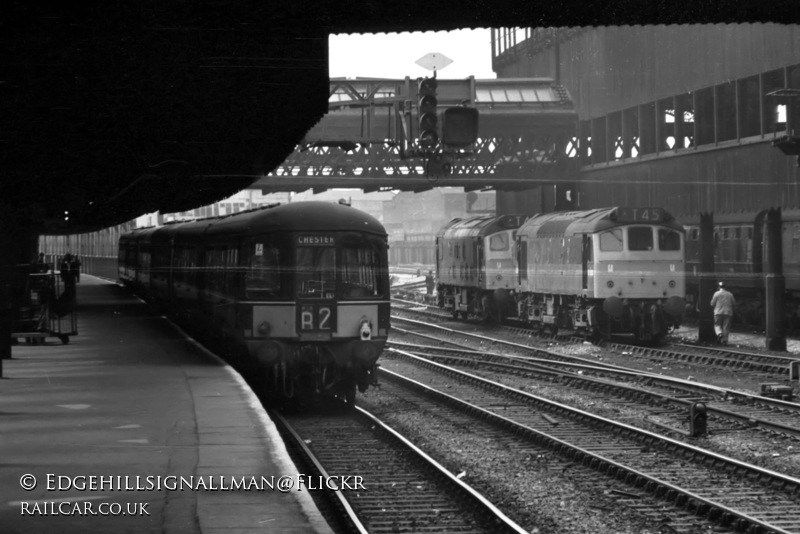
pixel 666 124
pixel 630 131
pixel 748 104
pixel 684 120
pixel 704 116
pixel 585 144
pixel 647 120
pixel 599 140
pixel 725 103
pixel 615 136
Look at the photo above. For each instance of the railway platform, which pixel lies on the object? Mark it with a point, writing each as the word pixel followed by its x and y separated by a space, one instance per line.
pixel 133 427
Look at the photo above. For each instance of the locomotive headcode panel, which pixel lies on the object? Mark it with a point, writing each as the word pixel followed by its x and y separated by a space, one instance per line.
pixel 633 215
pixel 297 296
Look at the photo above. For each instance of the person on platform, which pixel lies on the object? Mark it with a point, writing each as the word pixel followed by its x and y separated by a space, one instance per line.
pixel 723 304
pixel 67 274
pixel 75 267
pixel 429 283
pixel 41 265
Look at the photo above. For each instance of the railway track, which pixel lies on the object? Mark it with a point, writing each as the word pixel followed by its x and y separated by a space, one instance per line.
pixel 722 405
pixel 725 491
pixel 778 370
pixel 670 398
pixel 768 365
pixel 401 489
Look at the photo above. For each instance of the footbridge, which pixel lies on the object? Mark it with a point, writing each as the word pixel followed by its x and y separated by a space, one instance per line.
pixel 368 139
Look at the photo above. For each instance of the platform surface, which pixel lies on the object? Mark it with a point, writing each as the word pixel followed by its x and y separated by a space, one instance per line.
pixel 131 396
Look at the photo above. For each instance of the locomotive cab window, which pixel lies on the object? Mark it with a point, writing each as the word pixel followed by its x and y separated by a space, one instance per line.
pixel 611 240
pixel 640 238
pixel 498 242
pixel 668 239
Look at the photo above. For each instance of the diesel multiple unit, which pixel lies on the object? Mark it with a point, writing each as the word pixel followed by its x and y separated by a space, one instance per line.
pixel 296 295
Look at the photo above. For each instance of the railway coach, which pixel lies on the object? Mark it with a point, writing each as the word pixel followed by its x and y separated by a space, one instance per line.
pixel 295 295
pixel 740 262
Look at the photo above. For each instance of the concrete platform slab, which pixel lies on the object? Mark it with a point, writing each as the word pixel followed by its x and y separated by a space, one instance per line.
pixel 84 425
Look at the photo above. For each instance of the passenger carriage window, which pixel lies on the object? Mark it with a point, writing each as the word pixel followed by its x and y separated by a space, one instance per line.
pixel 232 260
pixel 498 242
pixel 263 277
pixel 640 238
pixel 611 240
pixel 695 234
pixel 668 239
pixel 212 269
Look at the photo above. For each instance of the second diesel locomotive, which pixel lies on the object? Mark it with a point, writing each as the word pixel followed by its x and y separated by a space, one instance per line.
pixel 295 295
pixel 600 272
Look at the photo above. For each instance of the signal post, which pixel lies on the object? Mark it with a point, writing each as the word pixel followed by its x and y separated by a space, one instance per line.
pixel 459 125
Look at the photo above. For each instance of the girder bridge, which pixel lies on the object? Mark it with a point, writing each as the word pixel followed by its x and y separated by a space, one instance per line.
pixel 526 138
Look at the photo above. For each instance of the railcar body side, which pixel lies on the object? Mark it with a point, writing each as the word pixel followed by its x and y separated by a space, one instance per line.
pixel 297 294
pixel 739 261
pixel 134 258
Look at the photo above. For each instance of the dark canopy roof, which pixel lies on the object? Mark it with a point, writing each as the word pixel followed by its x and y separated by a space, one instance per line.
pixel 114 109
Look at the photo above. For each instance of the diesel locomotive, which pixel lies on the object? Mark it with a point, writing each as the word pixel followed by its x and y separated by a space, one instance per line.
pixel 599 272
pixel 295 295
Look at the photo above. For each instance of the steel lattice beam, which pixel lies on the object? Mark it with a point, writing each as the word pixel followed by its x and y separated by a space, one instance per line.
pixel 527 136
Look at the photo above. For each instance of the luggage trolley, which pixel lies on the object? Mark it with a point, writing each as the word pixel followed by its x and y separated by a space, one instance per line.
pixel 45 309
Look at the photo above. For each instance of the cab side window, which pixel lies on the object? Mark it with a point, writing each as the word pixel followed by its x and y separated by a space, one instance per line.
pixel 611 240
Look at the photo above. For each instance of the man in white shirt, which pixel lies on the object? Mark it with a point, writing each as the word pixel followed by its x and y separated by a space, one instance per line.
pixel 723 303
